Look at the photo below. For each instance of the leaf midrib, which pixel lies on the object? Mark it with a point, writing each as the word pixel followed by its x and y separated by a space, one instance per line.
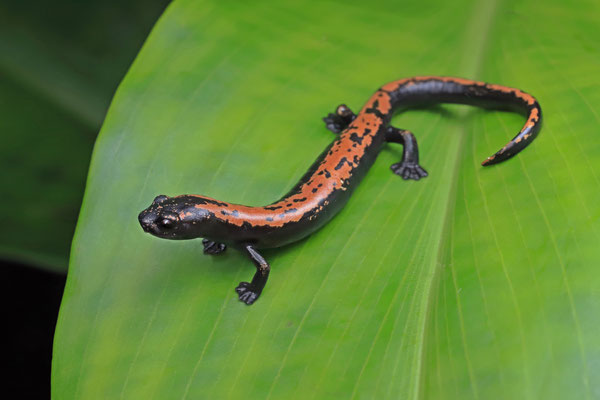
pixel 479 26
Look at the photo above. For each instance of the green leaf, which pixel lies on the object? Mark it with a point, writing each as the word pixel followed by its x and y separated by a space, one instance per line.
pixel 473 283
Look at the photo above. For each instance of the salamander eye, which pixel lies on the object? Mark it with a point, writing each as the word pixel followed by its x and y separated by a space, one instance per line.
pixel 166 223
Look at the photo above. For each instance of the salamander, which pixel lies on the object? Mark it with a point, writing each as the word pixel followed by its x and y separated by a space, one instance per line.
pixel 326 187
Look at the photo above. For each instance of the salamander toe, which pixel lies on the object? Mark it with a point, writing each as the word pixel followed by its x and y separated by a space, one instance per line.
pixel 333 123
pixel 246 293
pixel 409 171
pixel 213 248
pixel 338 121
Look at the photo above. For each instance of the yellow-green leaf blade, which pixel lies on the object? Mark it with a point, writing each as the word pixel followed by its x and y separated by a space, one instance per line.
pixel 226 101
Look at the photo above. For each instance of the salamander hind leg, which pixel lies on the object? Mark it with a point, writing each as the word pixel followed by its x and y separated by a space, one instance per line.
pixel 408 167
pixel 212 248
pixel 248 292
pixel 338 121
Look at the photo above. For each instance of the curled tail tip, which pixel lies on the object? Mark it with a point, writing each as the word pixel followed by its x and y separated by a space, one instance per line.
pixel 491 160
pixel 501 155
pixel 513 147
pixel 505 153
pixel 487 161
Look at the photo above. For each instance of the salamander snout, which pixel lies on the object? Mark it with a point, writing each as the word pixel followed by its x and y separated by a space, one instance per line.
pixel 173 218
pixel 177 218
pixel 146 219
pixel 151 215
pixel 159 220
pixel 156 222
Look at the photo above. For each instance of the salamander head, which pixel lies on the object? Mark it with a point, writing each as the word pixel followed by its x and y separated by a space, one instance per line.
pixel 173 218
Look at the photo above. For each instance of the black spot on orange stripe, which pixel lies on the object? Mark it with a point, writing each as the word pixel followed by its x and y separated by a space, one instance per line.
pixel 356 139
pixel 341 163
pixel 375 110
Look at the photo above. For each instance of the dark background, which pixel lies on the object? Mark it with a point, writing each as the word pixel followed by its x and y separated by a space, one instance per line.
pixel 60 64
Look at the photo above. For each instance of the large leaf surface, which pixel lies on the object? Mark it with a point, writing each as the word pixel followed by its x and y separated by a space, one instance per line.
pixel 474 283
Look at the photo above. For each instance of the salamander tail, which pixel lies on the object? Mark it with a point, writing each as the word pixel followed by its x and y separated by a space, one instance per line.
pixel 523 138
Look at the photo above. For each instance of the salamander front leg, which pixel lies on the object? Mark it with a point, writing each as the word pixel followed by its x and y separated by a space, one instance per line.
pixel 249 291
pixel 338 121
pixel 408 167
pixel 213 248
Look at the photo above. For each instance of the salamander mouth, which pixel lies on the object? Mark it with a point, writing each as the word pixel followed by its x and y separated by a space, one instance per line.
pixel 148 221
pixel 155 230
pixel 151 228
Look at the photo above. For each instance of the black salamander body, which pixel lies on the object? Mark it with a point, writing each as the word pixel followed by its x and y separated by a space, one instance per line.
pixel 328 184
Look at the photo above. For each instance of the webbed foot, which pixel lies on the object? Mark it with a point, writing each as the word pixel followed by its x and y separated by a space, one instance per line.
pixel 247 293
pixel 338 121
pixel 408 170
pixel 213 248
